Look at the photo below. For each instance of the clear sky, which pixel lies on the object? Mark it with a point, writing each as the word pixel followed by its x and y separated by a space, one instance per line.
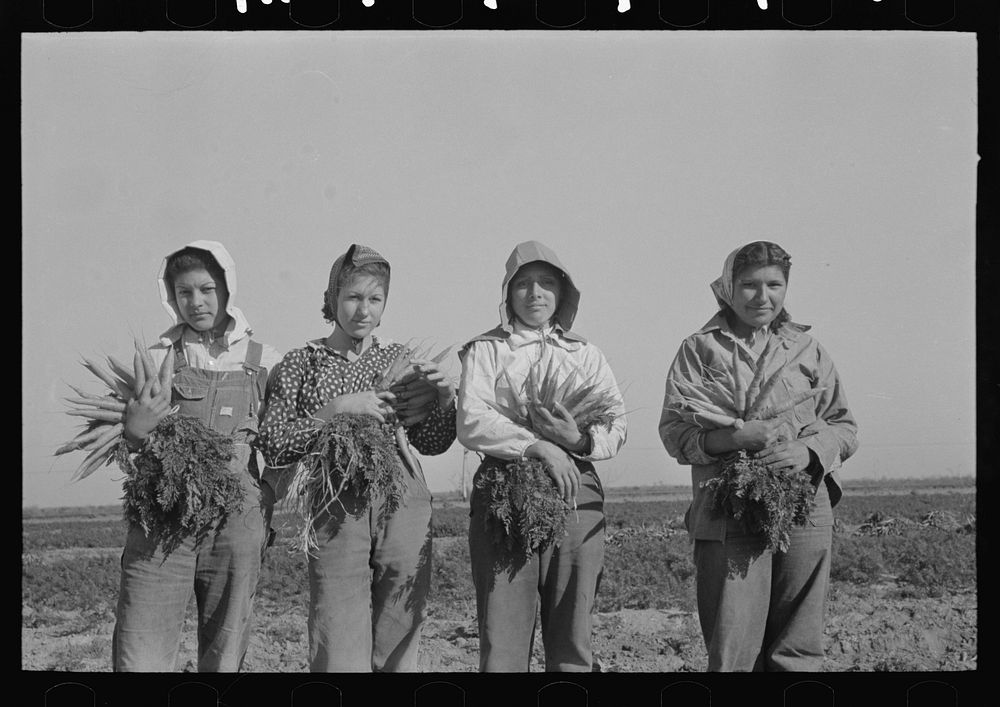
pixel 641 158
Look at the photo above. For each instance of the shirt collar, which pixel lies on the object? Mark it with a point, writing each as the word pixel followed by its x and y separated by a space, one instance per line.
pixel 788 330
pixel 555 334
pixel 188 335
pixel 349 356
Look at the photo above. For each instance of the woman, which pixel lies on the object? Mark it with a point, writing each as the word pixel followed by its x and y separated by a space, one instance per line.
pixel 538 304
pixel 369 576
pixel 769 617
pixel 219 374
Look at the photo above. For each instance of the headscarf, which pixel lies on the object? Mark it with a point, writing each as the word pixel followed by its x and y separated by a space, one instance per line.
pixel 722 286
pixel 357 255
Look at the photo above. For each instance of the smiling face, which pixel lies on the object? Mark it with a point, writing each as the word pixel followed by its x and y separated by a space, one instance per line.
pixel 201 299
pixel 534 293
pixel 759 295
pixel 360 303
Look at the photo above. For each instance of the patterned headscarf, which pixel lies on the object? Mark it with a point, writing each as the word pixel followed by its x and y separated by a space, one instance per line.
pixel 722 286
pixel 358 255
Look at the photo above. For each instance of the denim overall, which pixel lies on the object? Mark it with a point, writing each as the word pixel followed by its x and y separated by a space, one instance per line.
pixel 563 579
pixel 224 567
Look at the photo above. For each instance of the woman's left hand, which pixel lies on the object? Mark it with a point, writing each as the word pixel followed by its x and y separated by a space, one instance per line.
pixel 559 428
pixel 419 392
pixel 786 456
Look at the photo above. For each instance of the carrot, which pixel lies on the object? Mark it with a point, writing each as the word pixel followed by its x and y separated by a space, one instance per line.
pixel 166 374
pixel 140 372
pixel 758 375
pixel 101 403
pixel 441 356
pixel 94 460
pixel 149 369
pixel 769 413
pixel 105 415
pixel 116 385
pixel 762 395
pixel 716 419
pixel 84 394
pixel 119 369
pixel 713 393
pixel 111 432
pixel 567 385
pixel 738 398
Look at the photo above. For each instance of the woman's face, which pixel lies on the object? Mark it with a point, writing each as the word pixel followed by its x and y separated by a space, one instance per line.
pixel 201 299
pixel 534 293
pixel 360 304
pixel 759 295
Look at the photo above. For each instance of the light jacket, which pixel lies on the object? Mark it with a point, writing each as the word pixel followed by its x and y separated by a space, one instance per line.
pixel 495 364
pixel 824 424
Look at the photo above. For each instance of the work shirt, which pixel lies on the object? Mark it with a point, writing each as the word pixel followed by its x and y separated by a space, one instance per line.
pixel 824 423
pixel 221 353
pixel 493 368
pixel 309 377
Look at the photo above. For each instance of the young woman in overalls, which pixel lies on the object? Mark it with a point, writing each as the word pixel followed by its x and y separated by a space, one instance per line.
pixel 219 378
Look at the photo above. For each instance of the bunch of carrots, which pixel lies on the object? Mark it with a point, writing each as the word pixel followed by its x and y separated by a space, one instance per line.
pixel 356 453
pixel 179 484
pixel 105 414
pixel 524 511
pixel 765 501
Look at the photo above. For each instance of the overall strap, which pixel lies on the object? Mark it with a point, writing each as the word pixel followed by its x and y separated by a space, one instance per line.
pixel 255 351
pixel 180 359
pixel 256 374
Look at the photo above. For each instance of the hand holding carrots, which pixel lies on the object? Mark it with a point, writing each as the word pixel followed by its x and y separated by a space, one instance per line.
pixel 559 466
pixel 558 426
pixel 786 455
pixel 757 434
pixel 367 402
pixel 152 399
pixel 143 413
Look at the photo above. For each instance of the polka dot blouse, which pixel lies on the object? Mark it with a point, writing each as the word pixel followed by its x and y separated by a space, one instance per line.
pixel 309 377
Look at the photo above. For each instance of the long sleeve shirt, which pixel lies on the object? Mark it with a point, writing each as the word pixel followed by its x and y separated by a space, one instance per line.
pixel 309 377
pixel 824 423
pixel 492 372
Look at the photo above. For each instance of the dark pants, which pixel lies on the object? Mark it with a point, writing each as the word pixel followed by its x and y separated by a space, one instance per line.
pixel 564 578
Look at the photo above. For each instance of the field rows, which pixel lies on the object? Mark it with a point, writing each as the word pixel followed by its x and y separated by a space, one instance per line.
pixel 902 562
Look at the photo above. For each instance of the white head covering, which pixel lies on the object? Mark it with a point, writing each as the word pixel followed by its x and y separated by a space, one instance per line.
pixel 238 328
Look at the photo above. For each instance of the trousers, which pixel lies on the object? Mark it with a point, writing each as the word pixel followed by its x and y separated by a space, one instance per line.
pixel 559 584
pixel 368 584
pixel 769 616
pixel 221 572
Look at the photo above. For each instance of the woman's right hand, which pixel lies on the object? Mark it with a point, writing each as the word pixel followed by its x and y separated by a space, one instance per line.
pixel 367 402
pixel 753 436
pixel 144 412
pixel 757 434
pixel 559 465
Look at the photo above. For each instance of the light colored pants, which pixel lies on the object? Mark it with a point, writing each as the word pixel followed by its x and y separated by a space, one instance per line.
pixel 564 578
pixel 368 585
pixel 771 618
pixel 222 572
